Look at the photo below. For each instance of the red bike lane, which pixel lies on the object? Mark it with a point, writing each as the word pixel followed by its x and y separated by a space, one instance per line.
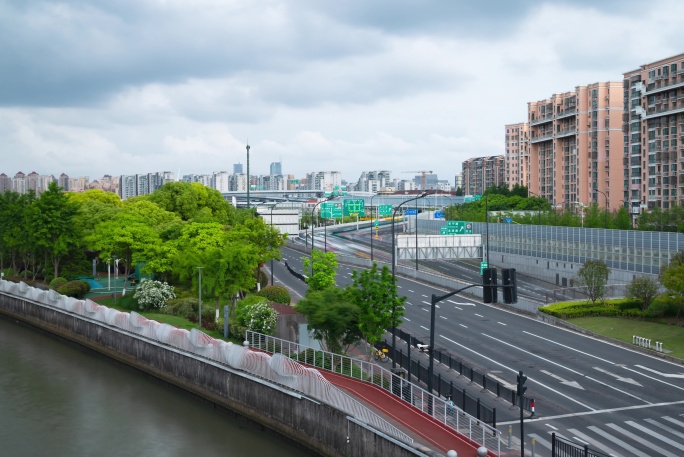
pixel 423 428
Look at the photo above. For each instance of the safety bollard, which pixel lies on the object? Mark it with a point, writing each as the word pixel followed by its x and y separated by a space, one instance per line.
pixel 482 451
pixel 452 453
pixel 634 339
pixel 533 443
pixel 510 434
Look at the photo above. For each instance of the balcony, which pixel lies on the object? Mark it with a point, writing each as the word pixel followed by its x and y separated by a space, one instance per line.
pixel 666 86
pixel 566 132
pixel 568 112
pixel 540 138
pixel 542 120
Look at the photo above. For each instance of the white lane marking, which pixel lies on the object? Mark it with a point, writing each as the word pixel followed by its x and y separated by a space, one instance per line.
pixel 618 377
pixel 666 375
pixel 425 296
pixel 501 323
pixel 574 384
pixel 411 291
pixel 516 372
pixel 460 309
pixel 425 328
pixel 602 411
pixel 566 368
pixel 619 442
pixel 568 347
pixel 540 440
pixel 501 381
pixel 648 444
pixel 445 318
pixel 551 426
pixel 665 427
pixel 464 326
pixel 461 303
pixel 652 378
pixel 650 432
pixel 425 309
pixel 593 443
pixel 407 319
pixel 479 315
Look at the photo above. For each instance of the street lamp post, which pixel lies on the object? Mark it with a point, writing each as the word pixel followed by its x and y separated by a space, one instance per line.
pixel 199 288
pixel 394 278
pixel 248 183
pixel 371 223
pixel 606 215
pixel 312 228
pixel 116 276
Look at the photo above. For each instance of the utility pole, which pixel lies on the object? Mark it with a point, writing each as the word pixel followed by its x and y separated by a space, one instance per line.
pixel 248 183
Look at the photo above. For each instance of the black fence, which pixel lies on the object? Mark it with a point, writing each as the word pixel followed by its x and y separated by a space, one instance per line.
pixel 457 365
pixel 462 399
pixel 561 447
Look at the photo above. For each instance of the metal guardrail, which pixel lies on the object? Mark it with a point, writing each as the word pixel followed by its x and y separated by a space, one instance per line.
pixel 562 447
pixel 440 409
pixel 483 412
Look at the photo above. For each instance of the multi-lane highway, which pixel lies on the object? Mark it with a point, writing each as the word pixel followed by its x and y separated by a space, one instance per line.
pixel 619 401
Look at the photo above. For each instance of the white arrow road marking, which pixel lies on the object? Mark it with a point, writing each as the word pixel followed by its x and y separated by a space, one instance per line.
pixel 501 381
pixel 462 304
pixel 574 384
pixel 618 377
pixel 666 375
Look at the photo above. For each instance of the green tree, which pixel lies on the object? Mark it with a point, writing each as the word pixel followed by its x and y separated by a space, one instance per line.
pixel 15 230
pixel 672 278
pixel 53 224
pixel 621 219
pixel 332 318
pixel 194 201
pixel 644 289
pixel 593 278
pixel 324 267
pixel 375 294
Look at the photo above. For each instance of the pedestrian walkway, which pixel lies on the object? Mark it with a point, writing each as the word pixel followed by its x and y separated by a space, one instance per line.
pixel 422 427
pixel 642 438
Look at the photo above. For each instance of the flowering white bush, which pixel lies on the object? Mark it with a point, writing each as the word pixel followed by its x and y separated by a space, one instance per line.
pixel 153 294
pixel 259 317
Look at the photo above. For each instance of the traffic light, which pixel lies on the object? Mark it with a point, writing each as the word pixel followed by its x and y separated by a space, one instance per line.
pixel 521 384
pixel 510 287
pixel 489 283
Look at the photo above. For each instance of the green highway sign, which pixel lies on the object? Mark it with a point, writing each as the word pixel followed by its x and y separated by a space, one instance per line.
pixel 385 210
pixel 353 207
pixel 456 228
pixel 331 210
pixel 294 181
pixel 483 265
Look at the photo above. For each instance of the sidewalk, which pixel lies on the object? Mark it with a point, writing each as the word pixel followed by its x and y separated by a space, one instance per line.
pixel 423 428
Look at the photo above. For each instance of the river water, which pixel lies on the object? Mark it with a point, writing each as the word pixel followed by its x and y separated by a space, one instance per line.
pixel 58 399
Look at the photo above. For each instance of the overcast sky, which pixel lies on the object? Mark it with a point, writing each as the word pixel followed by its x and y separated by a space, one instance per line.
pixel 122 87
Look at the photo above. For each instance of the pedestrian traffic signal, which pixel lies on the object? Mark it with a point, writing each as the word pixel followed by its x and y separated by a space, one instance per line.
pixel 521 384
pixel 489 283
pixel 510 286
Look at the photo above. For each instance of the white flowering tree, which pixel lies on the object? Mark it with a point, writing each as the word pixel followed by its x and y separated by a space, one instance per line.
pixel 153 294
pixel 257 317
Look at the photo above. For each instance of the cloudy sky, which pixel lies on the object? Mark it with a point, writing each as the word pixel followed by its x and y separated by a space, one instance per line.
pixel 122 87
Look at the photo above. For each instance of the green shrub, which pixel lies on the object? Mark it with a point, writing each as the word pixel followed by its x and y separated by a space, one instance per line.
pixel 277 294
pixel 58 282
pixel 76 289
pixel 634 313
pixel 662 306
pixel 627 303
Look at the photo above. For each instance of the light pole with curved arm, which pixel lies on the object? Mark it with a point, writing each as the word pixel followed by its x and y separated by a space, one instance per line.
pixel 371 224
pixel 605 218
pixel 394 278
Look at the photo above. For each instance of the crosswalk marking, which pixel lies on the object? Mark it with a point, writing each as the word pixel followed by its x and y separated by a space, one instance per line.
pixel 592 443
pixel 638 439
pixel 650 432
pixel 619 442
pixel 674 421
pixel 665 427
pixel 540 440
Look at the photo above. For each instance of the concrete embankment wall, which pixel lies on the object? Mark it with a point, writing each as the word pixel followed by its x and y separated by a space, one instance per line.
pixel 321 428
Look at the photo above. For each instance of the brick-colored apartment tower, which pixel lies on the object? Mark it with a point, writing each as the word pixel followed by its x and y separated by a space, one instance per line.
pixel 517 155
pixel 654 134
pixel 576 147
pixel 481 173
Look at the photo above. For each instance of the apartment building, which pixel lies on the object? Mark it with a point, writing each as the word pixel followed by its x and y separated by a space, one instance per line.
pixel 480 173
pixel 654 135
pixel 517 155
pixel 326 181
pixel 575 147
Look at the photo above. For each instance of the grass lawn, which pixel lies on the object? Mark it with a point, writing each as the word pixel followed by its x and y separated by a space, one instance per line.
pixel 671 336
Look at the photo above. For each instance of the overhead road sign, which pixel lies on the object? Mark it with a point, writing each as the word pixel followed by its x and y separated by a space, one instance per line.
pixel 456 228
pixel 385 210
pixel 354 207
pixel 411 212
pixel 439 214
pixel 331 210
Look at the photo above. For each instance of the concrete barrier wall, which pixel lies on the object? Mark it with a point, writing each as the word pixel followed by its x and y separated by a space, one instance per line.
pixel 320 427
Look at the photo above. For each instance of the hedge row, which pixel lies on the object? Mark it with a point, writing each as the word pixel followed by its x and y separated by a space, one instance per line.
pixel 660 307
pixel 76 289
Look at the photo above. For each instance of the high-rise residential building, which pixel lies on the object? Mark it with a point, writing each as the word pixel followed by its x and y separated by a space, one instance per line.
pixel 221 181
pixel 481 173
pixel 458 181
pixel 63 182
pixel 373 181
pixel 654 135
pixel 276 168
pixel 127 186
pixel 517 155
pixel 238 182
pixel 5 183
pixel 237 169
pixel 19 183
pixel 327 181
pixel 575 147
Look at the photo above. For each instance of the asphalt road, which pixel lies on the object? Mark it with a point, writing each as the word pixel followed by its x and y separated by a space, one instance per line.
pixel 619 401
